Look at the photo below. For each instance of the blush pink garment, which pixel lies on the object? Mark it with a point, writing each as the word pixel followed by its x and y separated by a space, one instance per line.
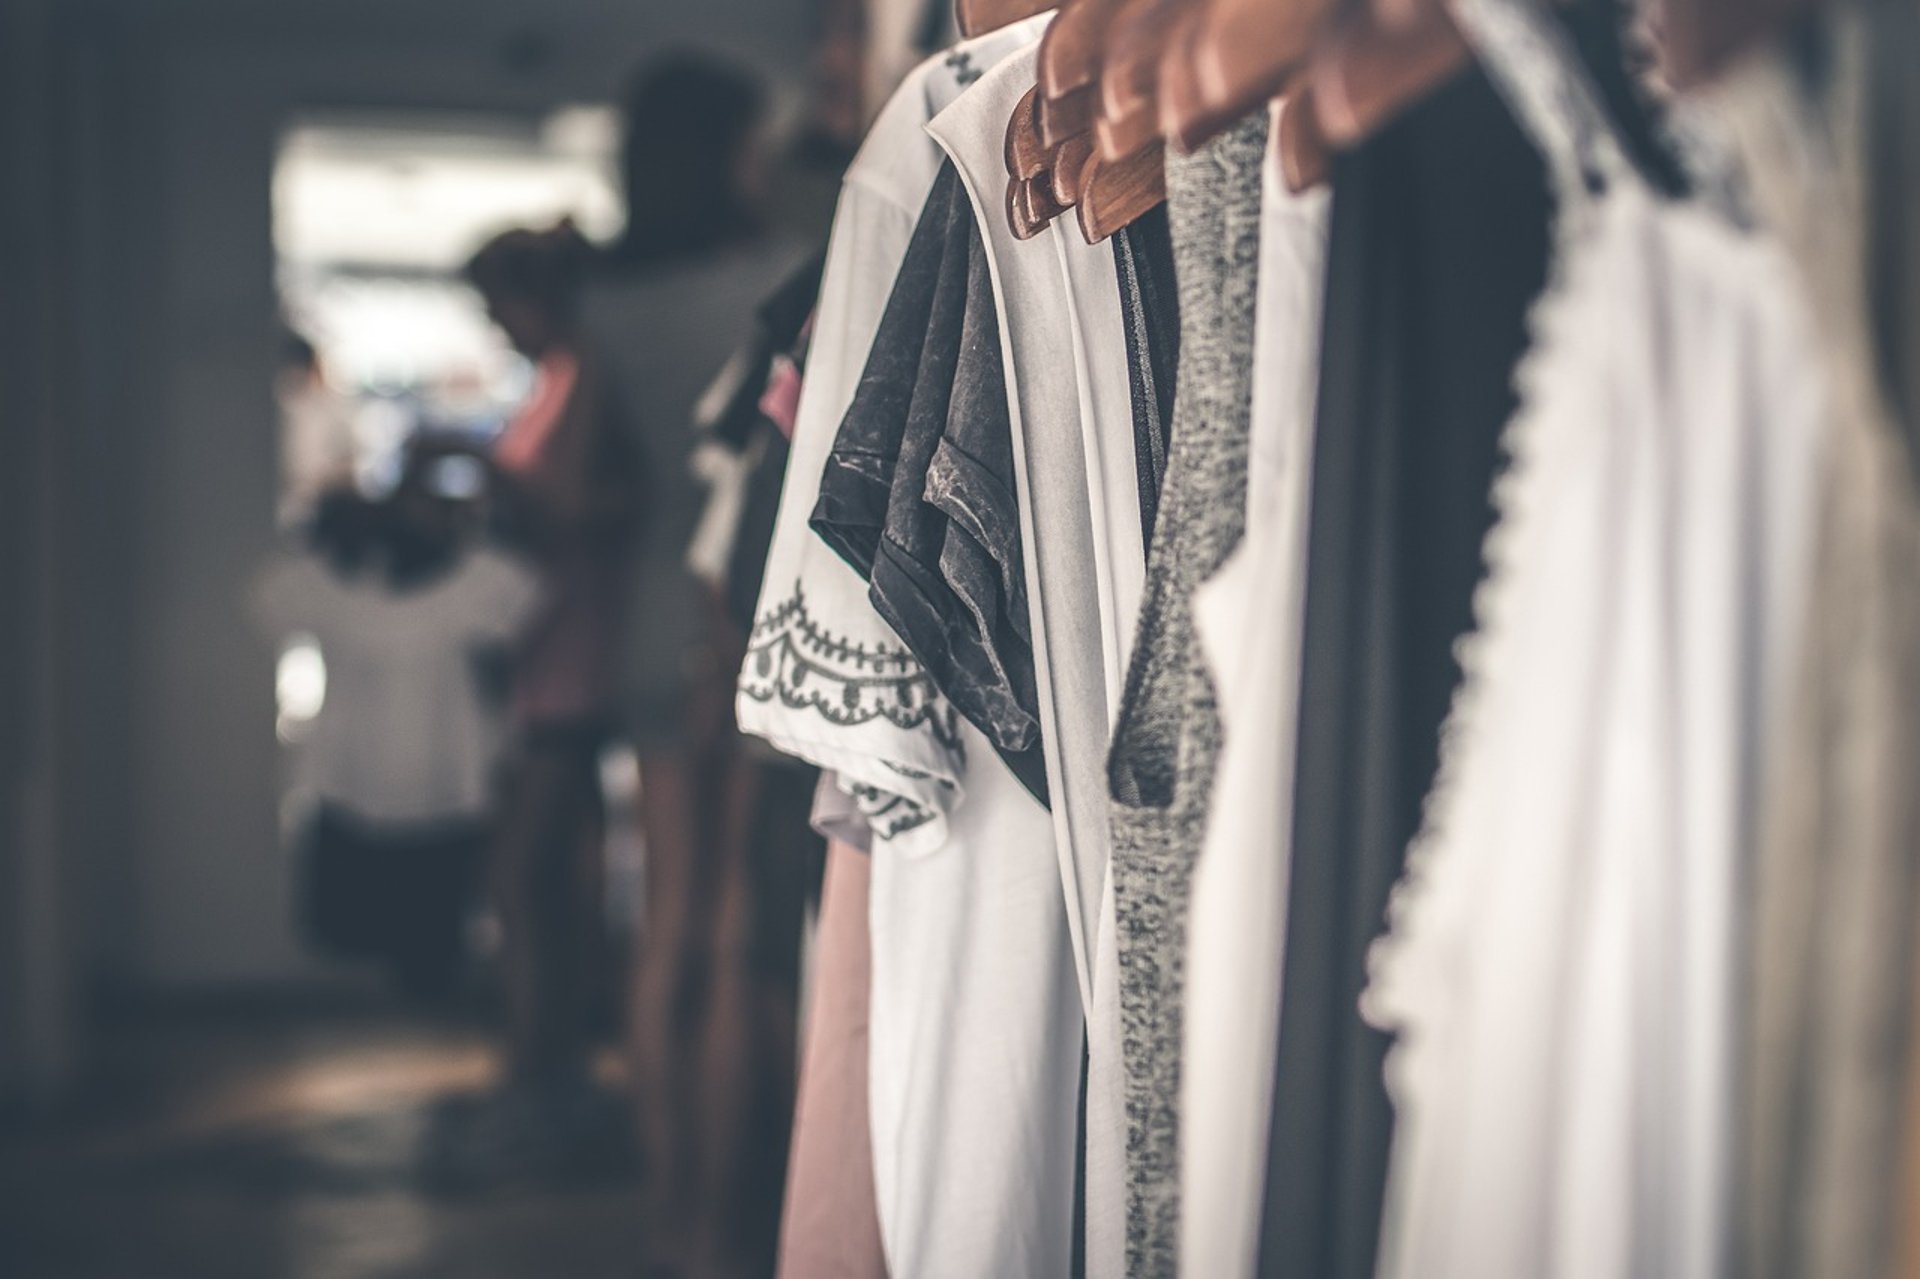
pixel 527 441
pixel 830 1228
pixel 567 656
pixel 780 402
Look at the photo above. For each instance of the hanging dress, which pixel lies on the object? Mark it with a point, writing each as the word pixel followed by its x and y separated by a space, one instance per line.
pixel 1560 970
pixel 1437 248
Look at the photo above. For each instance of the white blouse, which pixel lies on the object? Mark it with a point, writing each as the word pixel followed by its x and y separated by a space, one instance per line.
pixel 1561 962
pixel 1070 404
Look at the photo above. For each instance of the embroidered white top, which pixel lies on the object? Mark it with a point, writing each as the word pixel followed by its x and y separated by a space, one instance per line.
pixel 975 1029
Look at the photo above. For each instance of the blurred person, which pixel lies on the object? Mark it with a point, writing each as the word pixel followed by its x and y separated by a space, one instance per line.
pixel 713 1005
pixel 317 437
pixel 569 480
pixel 398 761
pixel 665 306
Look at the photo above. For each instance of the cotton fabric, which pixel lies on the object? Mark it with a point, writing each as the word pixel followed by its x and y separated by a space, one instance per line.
pixel 830 1225
pixel 1168 735
pixel 1150 309
pixel 404 736
pixel 975 1033
pixel 918 489
pixel 1248 617
pixel 1079 498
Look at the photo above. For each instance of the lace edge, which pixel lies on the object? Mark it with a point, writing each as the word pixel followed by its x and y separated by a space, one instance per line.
pixel 1392 999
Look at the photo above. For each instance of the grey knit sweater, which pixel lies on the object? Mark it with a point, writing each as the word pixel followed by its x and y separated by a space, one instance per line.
pixel 1168 736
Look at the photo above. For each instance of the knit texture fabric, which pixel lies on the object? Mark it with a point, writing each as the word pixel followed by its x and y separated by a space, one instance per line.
pixel 1168 736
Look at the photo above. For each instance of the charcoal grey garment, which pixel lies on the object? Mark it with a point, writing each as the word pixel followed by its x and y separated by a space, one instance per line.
pixel 1150 310
pixel 1437 249
pixel 1168 732
pixel 855 487
pixel 918 493
pixel 1892 111
pixel 971 506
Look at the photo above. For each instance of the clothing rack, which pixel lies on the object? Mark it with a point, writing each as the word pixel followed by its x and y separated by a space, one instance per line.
pixel 1365 679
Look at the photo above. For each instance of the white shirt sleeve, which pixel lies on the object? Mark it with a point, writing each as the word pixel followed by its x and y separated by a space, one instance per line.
pixel 825 678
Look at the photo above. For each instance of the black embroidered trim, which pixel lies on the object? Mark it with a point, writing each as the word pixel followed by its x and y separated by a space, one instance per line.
pixel 793 659
pixel 960 62
pixel 888 815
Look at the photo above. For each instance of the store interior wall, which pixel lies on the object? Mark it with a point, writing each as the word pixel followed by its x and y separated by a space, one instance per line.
pixel 139 848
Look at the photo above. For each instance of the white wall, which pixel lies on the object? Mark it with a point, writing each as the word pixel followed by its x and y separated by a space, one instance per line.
pixel 36 1004
pixel 193 887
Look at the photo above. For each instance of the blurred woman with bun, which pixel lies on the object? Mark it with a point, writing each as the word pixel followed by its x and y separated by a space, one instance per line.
pixel 568 478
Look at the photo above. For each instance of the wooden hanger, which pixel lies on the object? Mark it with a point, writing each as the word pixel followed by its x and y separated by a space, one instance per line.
pixel 1115 193
pixel 1017 212
pixel 1365 72
pixel 1185 118
pixel 1036 130
pixel 1069 165
pixel 1246 50
pixel 1129 134
pixel 1026 155
pixel 1020 212
pixel 1059 155
pixel 1041 206
pixel 1130 64
pixel 1056 170
pixel 1031 208
pixel 1028 163
pixel 1067 116
pixel 1075 42
pixel 978 17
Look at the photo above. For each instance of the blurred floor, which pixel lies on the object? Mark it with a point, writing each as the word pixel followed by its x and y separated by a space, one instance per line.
pixel 285 1145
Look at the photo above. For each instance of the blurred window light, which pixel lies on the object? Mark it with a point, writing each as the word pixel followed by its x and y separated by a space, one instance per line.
pixel 590 132
pixel 374 214
pixel 458 478
pixel 419 194
pixel 300 687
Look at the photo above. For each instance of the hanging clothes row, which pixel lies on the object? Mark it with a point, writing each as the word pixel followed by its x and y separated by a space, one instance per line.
pixel 1353 570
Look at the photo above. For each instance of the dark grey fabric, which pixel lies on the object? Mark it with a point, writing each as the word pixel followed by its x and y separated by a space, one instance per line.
pixel 918 490
pixel 1893 196
pixel 851 511
pixel 1437 249
pixel 1150 310
pixel 779 327
pixel 1168 734
pixel 970 481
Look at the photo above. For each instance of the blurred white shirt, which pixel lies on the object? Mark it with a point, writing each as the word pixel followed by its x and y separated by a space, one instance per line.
pixel 403 733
